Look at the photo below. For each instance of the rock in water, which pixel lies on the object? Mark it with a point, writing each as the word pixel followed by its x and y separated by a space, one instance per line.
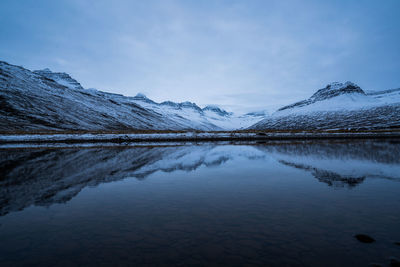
pixel 394 262
pixel 364 238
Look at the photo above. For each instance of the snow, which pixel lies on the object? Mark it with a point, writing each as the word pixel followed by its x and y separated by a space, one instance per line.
pixel 232 122
pixel 45 100
pixel 339 103
pixel 57 101
pixel 338 106
pixel 204 119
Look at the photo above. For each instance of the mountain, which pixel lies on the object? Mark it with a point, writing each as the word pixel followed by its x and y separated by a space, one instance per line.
pixel 46 100
pixel 185 113
pixel 210 117
pixel 338 106
pixel 61 78
pixel 32 101
pixel 217 110
pixel 230 121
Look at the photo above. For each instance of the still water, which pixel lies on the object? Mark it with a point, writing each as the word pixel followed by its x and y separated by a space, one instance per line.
pixel 276 204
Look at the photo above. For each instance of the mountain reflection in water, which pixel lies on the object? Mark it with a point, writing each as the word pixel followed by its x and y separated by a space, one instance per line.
pixel 271 204
pixel 45 176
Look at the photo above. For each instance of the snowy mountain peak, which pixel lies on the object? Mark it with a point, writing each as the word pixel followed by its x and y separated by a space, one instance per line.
pixel 338 106
pixel 331 90
pixel 336 89
pixel 61 78
pixel 217 110
pixel 140 95
pixel 44 70
pixel 143 98
pixel 188 104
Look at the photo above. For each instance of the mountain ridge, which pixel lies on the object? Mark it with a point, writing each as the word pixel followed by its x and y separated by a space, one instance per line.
pixel 46 100
pixel 338 106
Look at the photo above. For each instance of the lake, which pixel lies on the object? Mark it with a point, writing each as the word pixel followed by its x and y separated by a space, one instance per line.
pixel 273 203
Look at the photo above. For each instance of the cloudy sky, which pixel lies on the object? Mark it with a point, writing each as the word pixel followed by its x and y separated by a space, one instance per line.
pixel 243 55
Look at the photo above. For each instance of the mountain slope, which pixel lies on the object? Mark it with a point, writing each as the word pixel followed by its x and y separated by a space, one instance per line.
pixel 46 100
pixel 338 106
pixel 185 113
pixel 210 117
pixel 61 78
pixel 30 101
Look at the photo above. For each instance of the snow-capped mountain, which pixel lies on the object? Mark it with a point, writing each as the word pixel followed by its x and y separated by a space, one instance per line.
pixel 60 77
pixel 185 113
pixel 217 110
pixel 338 106
pixel 30 101
pixel 45 100
pixel 210 117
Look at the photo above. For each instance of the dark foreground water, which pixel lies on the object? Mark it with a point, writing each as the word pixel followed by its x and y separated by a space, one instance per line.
pixel 276 204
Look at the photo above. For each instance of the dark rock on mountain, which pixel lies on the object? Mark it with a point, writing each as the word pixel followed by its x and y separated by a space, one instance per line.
pixel 142 97
pixel 188 104
pixel 171 104
pixel 216 110
pixel 257 113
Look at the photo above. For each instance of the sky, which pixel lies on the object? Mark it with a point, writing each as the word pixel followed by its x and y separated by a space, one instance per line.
pixel 244 56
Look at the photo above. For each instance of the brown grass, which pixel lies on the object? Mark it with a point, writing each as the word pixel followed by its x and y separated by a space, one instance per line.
pixel 267 131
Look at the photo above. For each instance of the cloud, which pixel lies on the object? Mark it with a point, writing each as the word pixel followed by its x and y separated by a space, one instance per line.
pixel 241 54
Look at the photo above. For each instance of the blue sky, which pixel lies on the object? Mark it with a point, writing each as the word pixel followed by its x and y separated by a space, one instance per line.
pixel 243 55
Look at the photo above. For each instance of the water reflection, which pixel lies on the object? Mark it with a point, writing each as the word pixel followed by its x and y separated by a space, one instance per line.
pixel 274 204
pixel 341 163
pixel 46 176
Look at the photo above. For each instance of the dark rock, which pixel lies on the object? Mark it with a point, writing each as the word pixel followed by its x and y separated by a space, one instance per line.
pixel 394 262
pixel 364 238
pixel 397 243
pixel 217 110
pixel 336 89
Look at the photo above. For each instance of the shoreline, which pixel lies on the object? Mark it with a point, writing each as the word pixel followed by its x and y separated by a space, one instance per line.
pixel 190 137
